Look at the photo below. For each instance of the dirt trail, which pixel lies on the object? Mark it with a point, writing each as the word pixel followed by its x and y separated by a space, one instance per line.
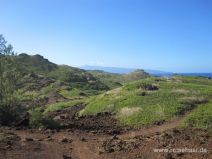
pixel 82 145
pixel 85 150
pixel 174 123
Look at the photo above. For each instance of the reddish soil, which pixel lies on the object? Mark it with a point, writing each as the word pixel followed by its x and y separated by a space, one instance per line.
pixel 84 144
pixel 176 122
pixel 100 123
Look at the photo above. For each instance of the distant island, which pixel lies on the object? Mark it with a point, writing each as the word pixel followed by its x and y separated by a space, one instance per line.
pixel 158 73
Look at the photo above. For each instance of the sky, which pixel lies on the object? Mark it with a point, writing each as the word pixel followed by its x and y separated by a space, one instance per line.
pixel 168 35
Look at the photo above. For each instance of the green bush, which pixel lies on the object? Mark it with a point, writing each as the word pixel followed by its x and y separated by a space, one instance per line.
pixel 10 107
pixel 38 119
pixel 10 113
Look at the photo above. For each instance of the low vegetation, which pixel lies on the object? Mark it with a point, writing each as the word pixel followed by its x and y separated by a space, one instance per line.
pixel 62 105
pixel 39 120
pixel 10 105
pixel 114 80
pixel 152 99
pixel 201 117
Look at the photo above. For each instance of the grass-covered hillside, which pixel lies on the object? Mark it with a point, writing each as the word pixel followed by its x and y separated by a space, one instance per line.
pixel 41 78
pixel 35 64
pixel 114 80
pixel 155 99
pixel 28 82
pixel 76 77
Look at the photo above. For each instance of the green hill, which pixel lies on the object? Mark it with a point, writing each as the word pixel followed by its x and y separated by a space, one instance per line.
pixel 44 82
pixel 151 100
pixel 114 80
pixel 72 76
pixel 135 75
pixel 35 64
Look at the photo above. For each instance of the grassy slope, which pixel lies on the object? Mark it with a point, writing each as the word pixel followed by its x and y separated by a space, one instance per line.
pixel 173 98
pixel 68 81
pixel 201 117
pixel 62 105
pixel 75 77
pixel 35 64
pixel 114 80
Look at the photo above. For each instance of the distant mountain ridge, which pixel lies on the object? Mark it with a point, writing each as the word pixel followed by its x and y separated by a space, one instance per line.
pixel 126 70
pixel 108 69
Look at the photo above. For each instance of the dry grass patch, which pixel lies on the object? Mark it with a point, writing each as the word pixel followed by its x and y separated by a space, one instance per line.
pixel 189 103
pixel 181 91
pixel 115 91
pixel 125 112
pixel 193 100
pixel 111 92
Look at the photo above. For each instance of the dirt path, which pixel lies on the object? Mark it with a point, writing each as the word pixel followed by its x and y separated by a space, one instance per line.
pixel 174 123
pixel 80 145
pixel 85 150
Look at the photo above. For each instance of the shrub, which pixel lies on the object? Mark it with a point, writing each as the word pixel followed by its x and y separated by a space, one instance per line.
pixel 38 119
pixel 10 107
pixel 10 113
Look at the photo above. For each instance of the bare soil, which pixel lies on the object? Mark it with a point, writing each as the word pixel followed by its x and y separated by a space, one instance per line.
pixel 88 142
pixel 100 123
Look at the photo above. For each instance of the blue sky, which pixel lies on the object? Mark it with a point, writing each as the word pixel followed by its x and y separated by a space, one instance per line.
pixel 169 35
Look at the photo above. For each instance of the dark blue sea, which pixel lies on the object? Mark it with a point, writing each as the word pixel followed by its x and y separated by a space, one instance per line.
pixel 183 74
pixel 197 74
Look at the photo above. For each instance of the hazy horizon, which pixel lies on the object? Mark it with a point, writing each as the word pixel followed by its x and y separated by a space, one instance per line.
pixel 173 36
pixel 165 71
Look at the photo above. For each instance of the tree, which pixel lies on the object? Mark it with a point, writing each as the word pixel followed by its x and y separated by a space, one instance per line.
pixel 2 44
pixel 10 107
